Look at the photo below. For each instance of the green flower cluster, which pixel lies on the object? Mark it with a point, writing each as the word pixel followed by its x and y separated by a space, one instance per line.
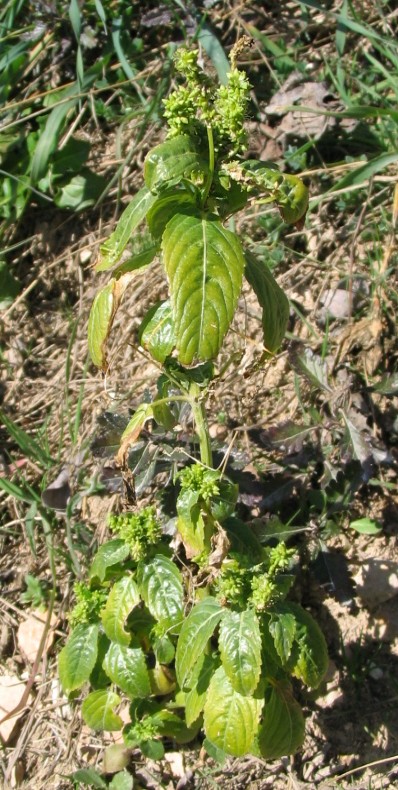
pixel 199 478
pixel 88 604
pixel 139 530
pixel 202 103
pixel 240 584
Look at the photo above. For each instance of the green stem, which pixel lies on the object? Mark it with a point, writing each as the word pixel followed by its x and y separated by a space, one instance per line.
pixel 201 424
pixel 210 176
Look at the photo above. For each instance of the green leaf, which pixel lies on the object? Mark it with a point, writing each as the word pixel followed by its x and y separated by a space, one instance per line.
pixel 126 667
pixel 214 49
pixel 97 711
pixel 122 781
pixel 230 719
pixel 170 202
pixel 282 729
pixel 102 314
pixel 161 588
pixel 272 300
pixel 77 659
pixel 137 261
pixel 312 662
pixel 112 249
pixel 164 649
pixel 191 524
pixel 172 726
pixel 195 634
pixel 200 679
pixel 174 159
pixel 223 505
pixel 366 526
pixel 88 777
pixel 123 597
pixel 240 648
pixel 110 553
pixel 283 631
pixel 132 431
pixel 156 332
pixel 204 264
pixel 9 286
pixel 81 191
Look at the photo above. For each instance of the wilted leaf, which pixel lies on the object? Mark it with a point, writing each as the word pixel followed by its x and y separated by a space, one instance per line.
pixel 132 432
pixel 313 368
pixel 102 314
pixel 156 332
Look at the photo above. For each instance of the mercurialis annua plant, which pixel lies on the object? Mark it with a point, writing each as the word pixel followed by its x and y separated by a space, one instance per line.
pixel 199 639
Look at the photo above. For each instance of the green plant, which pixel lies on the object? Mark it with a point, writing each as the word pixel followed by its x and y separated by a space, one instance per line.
pixel 202 637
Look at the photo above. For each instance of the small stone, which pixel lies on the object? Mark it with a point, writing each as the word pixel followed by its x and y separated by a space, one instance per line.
pixel 377 582
pixel 30 633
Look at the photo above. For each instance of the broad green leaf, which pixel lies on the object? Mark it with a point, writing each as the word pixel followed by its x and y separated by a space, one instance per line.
pixel 171 202
pixel 77 659
pixel 204 264
pixel 102 314
pixel 161 588
pixel 282 628
pixel 123 597
pixel 89 778
pixel 195 698
pixel 173 159
pixel 164 649
pixel 126 667
pixel 108 554
pixel 133 215
pixel 223 505
pixel 97 711
pixel 272 300
pixel 137 261
pixel 366 526
pixel 122 781
pixel 156 332
pixel 196 631
pixel 81 191
pixel 172 726
pixel 282 729
pixel 240 648
pixel 191 525
pixel 230 719
pixel 312 662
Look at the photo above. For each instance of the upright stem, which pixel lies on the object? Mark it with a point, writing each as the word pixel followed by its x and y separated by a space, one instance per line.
pixel 210 176
pixel 201 424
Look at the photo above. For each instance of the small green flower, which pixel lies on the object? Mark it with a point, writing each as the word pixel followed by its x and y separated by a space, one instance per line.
pixel 88 604
pixel 139 530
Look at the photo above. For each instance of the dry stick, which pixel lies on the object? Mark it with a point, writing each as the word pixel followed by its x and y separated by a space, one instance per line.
pixel 356 770
pixel 352 251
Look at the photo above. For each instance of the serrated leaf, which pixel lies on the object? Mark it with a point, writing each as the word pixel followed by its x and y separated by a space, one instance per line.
pixel 356 441
pixel 204 264
pixel 156 332
pixel 230 719
pixel 272 300
pixel 195 698
pixel 108 554
pixel 137 261
pixel 196 631
pixel 127 668
pixel 123 597
pixel 283 630
pixel 312 662
pixel 171 202
pixel 77 659
pixel 173 159
pixel 161 588
pixel 102 314
pixel 240 648
pixel 313 368
pixel 282 729
pixel 97 711
pixel 133 215
pixel 366 526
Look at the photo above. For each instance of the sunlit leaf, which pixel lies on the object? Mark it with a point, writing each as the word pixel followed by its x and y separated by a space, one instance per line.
pixel 204 264
pixel 240 648
pixel 123 597
pixel 102 314
pixel 156 332
pixel 98 713
pixel 161 588
pixel 283 630
pixel 133 215
pixel 282 729
pixel 173 159
pixel 126 667
pixel 199 682
pixel 77 659
pixel 108 554
pixel 196 631
pixel 230 719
